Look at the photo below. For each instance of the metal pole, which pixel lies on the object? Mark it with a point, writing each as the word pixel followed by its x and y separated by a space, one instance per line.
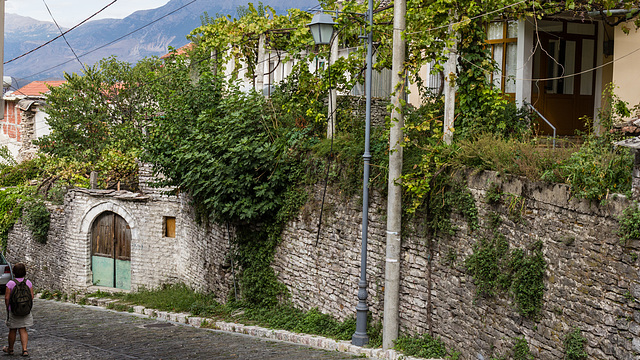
pixel 360 337
pixel 394 197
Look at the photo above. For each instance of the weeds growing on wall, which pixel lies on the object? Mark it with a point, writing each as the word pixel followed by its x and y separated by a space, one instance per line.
pixel 36 217
pixel 597 170
pixel 495 268
pixel 630 223
pixel 574 344
pixel 20 202
pixel 521 349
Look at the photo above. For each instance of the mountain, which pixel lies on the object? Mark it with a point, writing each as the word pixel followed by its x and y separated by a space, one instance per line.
pixel 144 33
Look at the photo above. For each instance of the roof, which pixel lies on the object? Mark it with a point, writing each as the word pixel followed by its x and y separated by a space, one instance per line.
pixel 37 88
pixel 179 51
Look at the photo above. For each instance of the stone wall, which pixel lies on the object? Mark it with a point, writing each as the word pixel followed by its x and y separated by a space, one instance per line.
pixel 589 283
pixel 591 280
pixel 195 256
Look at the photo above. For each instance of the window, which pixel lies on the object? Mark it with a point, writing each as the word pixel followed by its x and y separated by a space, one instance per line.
pixel 503 38
pixel 169 226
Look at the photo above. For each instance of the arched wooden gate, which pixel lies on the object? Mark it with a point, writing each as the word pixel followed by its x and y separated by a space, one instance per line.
pixel 111 251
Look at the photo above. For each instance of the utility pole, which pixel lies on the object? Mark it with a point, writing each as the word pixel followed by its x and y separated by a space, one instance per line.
pixel 394 198
pixel 260 65
pixel 449 86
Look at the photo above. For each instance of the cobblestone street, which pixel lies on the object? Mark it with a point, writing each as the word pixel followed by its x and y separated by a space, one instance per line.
pixel 67 331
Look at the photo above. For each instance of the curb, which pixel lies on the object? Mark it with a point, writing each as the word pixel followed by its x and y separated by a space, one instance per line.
pixel 313 341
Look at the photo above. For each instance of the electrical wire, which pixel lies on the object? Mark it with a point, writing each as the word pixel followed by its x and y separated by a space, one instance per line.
pixel 64 37
pixel 114 41
pixel 61 35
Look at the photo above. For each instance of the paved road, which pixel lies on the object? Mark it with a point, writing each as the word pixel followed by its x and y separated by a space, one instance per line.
pixel 67 331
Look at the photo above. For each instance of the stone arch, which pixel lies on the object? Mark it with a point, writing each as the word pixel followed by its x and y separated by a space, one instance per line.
pixel 90 215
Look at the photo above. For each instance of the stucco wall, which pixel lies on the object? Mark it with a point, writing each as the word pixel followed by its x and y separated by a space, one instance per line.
pixel 625 70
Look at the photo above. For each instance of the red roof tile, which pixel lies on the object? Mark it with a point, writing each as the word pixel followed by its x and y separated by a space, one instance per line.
pixel 179 51
pixel 37 88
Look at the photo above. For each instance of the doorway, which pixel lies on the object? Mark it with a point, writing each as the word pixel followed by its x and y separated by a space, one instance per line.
pixel 564 94
pixel 111 251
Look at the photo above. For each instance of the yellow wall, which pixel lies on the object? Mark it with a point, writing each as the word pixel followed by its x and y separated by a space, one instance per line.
pixel 626 71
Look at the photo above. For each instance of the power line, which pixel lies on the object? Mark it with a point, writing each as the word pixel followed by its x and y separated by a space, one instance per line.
pixel 64 37
pixel 114 41
pixel 61 35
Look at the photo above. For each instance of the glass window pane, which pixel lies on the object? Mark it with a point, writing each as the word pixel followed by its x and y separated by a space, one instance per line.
pixel 495 31
pixel 569 66
pixel 497 56
pixel 512 29
pixel 510 68
pixel 586 79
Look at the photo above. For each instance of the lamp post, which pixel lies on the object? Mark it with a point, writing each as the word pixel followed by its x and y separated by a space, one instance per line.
pixel 320 25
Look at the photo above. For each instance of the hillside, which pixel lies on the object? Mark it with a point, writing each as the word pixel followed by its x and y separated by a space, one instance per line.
pixel 90 40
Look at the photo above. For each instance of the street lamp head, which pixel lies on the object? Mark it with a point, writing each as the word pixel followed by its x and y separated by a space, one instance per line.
pixel 321 27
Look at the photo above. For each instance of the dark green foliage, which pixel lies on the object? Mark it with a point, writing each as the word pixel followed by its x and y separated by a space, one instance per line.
pixel 494 194
pixel 527 285
pixel 493 268
pixel 630 223
pixel 36 217
pixel 487 264
pixel 287 317
pixel 521 349
pixel 11 202
pixel 218 146
pixel 19 174
pixel 423 346
pixel 105 108
pixel 446 196
pixel 574 344
pixel 596 170
pixel 481 107
pixel 258 282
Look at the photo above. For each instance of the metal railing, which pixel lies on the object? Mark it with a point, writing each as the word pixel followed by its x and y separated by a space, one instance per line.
pixel 545 120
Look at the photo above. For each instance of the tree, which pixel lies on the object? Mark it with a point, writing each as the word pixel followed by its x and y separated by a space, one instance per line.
pixel 104 109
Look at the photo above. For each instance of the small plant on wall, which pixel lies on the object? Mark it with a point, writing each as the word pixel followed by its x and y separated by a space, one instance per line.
pixel 574 344
pixel 521 350
pixel 494 267
pixel 630 223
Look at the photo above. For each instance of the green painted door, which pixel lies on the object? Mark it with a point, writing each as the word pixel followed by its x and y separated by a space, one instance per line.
pixel 111 251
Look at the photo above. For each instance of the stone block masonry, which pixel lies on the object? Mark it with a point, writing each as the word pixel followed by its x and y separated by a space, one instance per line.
pixel 195 256
pixel 591 280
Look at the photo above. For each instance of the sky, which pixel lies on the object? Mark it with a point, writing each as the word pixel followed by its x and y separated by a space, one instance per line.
pixel 70 12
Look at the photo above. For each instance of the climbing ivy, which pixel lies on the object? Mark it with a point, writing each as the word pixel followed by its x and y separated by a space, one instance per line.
pixel 521 349
pixel 629 223
pixel 17 202
pixel 574 344
pixel 495 268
